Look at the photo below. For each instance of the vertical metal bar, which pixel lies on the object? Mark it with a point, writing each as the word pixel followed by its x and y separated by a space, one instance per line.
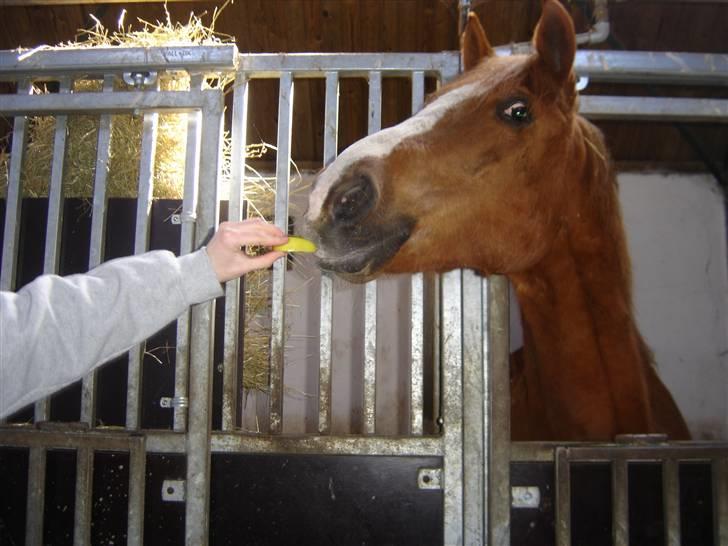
pixel 452 407
pixel 474 507
pixel 563 498
pixel 486 357
pixel 232 288
pixel 55 216
pixel 719 472
pixel 55 190
pixel 36 496
pixel 671 501
pixel 499 415
pixel 620 502
pixel 417 320
pixel 13 200
pixel 84 489
pixel 370 290
pixel 141 244
pixel 187 244
pixel 278 304
pixel 202 325
pixel 331 132
pixel 433 322
pixel 96 246
pixel 137 479
pixel 464 6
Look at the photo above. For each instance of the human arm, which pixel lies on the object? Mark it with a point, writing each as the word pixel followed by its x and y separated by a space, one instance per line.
pixel 57 329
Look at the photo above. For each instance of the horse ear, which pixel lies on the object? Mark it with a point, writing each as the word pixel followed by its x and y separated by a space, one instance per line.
pixel 474 44
pixel 555 40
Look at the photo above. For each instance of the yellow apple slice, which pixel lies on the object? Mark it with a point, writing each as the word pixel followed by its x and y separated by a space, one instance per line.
pixel 296 244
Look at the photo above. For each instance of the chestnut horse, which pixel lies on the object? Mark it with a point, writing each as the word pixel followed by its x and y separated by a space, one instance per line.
pixel 499 173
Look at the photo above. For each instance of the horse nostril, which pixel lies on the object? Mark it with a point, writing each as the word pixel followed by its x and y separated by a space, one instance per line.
pixel 353 200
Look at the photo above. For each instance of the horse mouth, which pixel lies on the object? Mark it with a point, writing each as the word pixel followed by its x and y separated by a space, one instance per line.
pixel 359 262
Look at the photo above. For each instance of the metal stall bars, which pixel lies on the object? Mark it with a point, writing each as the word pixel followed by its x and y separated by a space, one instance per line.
pixel 463 474
pixel 205 108
pixel 619 458
pixel 192 431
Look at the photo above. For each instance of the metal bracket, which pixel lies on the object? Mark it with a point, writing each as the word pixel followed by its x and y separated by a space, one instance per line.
pixel 525 496
pixel 429 478
pixel 185 217
pixel 140 79
pixel 173 490
pixel 179 402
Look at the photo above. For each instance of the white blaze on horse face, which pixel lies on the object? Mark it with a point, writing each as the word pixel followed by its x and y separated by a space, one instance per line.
pixel 379 145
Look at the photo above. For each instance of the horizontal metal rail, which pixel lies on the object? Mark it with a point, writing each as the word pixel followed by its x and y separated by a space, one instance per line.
pixel 107 103
pixel 172 442
pixel 264 65
pixel 682 451
pixel 44 62
pixel 653 67
pixel 695 110
pixel 69 439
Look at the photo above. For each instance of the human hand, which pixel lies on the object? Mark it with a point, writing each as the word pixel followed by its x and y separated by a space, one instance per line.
pixel 229 260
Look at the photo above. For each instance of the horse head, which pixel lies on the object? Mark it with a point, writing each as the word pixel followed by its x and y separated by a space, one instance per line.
pixel 475 179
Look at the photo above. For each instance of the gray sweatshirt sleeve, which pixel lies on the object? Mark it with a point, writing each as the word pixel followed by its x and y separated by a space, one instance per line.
pixel 56 329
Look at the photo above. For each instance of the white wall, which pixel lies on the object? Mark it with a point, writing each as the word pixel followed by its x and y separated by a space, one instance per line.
pixel 676 230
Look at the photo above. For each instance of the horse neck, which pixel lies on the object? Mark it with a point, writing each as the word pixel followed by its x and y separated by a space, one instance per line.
pixel 583 352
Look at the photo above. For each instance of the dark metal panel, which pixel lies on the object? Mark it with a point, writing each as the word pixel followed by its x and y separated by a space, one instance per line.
pixel 60 488
pixel 165 521
pixel 109 498
pixel 304 499
pixel 13 484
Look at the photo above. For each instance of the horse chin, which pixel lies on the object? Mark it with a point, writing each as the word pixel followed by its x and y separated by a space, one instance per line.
pixel 362 262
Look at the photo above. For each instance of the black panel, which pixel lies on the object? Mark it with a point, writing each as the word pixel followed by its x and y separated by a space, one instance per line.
pixel 110 498
pixel 337 500
pixel 534 526
pixel 14 488
pixel 591 504
pixel 696 504
pixel 60 497
pixel 646 521
pixel 164 521
pixel 111 378
pixel 159 359
pixel 75 237
pixel 31 242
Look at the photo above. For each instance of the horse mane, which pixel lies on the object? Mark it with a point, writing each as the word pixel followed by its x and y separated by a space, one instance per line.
pixel 602 200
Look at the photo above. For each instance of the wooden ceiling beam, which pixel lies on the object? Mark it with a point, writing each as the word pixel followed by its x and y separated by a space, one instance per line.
pixel 28 3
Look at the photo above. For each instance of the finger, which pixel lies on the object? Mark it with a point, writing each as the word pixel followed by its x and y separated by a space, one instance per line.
pixel 261 235
pixel 264 261
pixel 258 229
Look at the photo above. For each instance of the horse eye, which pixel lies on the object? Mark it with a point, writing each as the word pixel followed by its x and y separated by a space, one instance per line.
pixel 354 201
pixel 516 112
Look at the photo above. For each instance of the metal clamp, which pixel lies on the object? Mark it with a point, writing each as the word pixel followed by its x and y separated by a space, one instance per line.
pixel 140 79
pixel 179 402
pixel 183 218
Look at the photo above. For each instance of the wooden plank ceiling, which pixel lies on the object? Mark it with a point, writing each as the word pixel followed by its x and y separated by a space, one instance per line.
pixel 425 26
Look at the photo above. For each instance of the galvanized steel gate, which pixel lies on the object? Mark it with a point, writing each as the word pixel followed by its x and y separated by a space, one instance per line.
pixel 473 443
